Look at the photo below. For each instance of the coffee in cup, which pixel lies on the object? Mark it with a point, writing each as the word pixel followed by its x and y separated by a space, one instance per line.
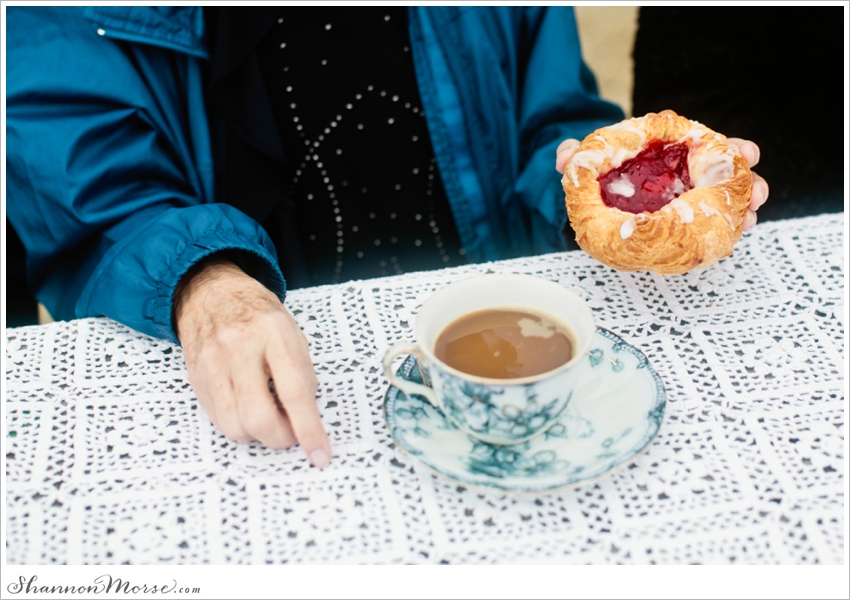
pixel 498 351
pixel 505 343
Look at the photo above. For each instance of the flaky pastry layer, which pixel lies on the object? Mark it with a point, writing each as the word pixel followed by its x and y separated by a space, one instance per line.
pixel 695 230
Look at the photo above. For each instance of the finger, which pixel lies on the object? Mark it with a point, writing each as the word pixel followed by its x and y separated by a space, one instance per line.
pixel 748 150
pixel 223 397
pixel 258 412
pixel 564 153
pixel 760 192
pixel 295 382
pixel 206 402
pixel 750 220
pixel 202 377
pixel 202 392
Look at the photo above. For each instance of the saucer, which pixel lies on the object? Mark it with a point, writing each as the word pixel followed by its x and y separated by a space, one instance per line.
pixel 615 413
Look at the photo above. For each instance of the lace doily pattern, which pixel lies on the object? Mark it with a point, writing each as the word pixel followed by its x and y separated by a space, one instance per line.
pixel 110 460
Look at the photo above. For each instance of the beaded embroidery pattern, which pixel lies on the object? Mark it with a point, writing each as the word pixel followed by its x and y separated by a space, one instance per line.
pixel 369 194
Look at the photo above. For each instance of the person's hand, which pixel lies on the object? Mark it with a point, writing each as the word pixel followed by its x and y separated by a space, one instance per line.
pixel 236 337
pixel 748 150
pixel 758 196
pixel 564 153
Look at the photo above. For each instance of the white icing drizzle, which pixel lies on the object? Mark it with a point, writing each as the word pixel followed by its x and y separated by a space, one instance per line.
pixel 620 156
pixel 593 160
pixel 710 210
pixel 677 188
pixel 589 159
pixel 622 186
pixel 686 213
pixel 617 156
pixel 629 125
pixel 728 199
pixel 710 168
pixel 627 228
pixel 694 136
pixel 707 167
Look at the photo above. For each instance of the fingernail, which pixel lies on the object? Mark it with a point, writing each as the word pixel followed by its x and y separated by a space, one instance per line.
pixel 319 458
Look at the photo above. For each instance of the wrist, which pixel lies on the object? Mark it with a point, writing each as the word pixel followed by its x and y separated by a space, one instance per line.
pixel 201 276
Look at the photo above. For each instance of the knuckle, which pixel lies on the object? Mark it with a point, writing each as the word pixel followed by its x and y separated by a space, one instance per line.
pixel 228 420
pixel 231 337
pixel 258 418
pixel 264 424
pixel 300 338
pixel 283 441
pixel 234 431
pixel 299 402
pixel 304 388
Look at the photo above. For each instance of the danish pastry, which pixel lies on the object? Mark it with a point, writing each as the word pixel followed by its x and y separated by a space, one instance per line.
pixel 657 193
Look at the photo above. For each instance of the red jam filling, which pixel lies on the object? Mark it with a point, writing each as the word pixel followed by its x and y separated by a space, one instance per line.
pixel 649 181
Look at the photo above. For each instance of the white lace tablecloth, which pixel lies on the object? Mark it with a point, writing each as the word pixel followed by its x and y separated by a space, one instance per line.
pixel 109 459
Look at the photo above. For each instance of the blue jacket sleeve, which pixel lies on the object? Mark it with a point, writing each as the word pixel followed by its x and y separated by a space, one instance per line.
pixel 558 100
pixel 502 87
pixel 109 172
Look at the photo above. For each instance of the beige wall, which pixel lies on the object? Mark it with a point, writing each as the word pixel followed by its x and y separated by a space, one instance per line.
pixel 43 315
pixel 607 38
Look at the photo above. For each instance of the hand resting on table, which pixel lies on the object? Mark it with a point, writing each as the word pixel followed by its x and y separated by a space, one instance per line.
pixel 236 336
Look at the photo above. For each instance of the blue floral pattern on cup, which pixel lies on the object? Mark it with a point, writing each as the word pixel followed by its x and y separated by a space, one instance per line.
pixel 504 414
pixel 615 412
pixel 507 413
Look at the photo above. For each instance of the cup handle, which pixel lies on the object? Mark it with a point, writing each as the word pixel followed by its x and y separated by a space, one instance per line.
pixel 408 387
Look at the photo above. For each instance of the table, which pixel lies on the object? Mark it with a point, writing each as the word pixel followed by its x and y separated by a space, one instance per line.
pixel 109 459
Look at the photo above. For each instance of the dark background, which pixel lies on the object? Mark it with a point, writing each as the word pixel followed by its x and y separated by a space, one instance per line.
pixel 773 75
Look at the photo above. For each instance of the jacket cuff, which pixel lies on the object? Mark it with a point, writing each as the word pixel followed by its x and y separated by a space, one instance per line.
pixel 254 260
pixel 135 282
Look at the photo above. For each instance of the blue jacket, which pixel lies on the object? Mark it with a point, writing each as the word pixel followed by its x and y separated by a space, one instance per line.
pixel 110 165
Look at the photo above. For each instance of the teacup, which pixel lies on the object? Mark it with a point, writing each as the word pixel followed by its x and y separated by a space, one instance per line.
pixel 505 410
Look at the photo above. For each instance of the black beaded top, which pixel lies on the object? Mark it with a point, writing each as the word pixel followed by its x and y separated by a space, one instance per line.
pixel 365 189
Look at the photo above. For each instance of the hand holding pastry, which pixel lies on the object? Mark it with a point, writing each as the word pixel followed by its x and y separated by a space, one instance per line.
pixel 751 154
pixel 660 193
